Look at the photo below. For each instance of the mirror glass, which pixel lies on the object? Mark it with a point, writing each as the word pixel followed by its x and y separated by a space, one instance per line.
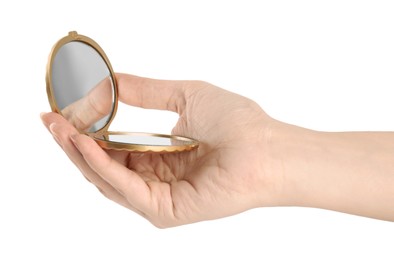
pixel 82 86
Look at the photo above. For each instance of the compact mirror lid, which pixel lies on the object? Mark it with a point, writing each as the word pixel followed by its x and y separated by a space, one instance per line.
pixel 80 83
pixel 81 86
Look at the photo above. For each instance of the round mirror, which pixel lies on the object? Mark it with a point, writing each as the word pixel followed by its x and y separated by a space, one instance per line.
pixel 80 83
pixel 81 86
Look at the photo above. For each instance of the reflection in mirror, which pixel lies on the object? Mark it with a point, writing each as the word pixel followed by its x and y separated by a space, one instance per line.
pixel 83 87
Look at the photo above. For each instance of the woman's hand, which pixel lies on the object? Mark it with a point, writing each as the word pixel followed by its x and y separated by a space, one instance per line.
pixel 245 160
pixel 227 174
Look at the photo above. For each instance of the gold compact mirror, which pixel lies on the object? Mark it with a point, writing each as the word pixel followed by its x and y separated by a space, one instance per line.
pixel 81 86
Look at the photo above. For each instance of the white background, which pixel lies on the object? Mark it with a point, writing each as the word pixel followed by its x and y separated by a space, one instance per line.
pixel 325 65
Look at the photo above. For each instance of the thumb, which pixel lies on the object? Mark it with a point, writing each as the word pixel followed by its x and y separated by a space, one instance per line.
pixel 97 104
pixel 153 93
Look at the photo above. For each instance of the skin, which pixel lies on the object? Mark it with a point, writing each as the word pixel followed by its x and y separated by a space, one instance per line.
pixel 83 113
pixel 246 160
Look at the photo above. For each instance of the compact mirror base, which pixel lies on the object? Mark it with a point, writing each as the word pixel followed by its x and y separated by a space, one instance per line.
pixel 143 142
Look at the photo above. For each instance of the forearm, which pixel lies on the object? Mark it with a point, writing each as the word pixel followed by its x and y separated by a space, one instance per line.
pixel 349 172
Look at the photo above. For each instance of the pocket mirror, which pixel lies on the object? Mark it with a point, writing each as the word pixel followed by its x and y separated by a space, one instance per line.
pixel 81 86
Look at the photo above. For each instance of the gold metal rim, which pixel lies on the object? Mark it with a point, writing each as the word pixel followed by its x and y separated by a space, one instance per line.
pixel 73 36
pixel 144 148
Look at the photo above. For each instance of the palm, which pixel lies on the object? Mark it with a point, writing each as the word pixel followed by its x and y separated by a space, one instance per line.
pixel 182 185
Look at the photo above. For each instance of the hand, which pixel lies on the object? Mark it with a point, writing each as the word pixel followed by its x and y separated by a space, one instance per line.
pixel 227 174
pixel 245 160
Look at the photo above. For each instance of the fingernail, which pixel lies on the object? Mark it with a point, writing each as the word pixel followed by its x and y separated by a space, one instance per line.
pixel 54 134
pixel 43 114
pixel 52 127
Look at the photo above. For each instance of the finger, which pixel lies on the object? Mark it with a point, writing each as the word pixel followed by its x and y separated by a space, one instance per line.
pixel 127 182
pixel 153 93
pixel 52 117
pixel 61 132
pixel 91 108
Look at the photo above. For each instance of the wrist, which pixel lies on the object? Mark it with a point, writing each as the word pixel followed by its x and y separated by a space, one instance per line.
pixel 291 152
pixel 346 172
pixel 342 171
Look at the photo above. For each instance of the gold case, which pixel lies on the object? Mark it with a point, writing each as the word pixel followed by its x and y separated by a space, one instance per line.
pixel 101 136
